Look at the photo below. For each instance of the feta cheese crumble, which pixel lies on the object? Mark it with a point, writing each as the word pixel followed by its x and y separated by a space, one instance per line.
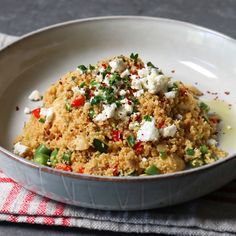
pixel 212 142
pixel 35 96
pixel 148 131
pixel 20 149
pixel 47 113
pixel 76 89
pixel 117 65
pixel 169 131
pixel 27 110
pixel 108 112
pixel 170 94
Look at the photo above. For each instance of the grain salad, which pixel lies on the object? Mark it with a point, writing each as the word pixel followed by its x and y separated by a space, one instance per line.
pixel 120 117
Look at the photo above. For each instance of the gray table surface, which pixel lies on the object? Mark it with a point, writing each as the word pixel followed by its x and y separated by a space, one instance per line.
pixel 20 17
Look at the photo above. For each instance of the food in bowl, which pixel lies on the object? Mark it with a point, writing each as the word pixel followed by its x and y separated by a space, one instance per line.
pixel 120 117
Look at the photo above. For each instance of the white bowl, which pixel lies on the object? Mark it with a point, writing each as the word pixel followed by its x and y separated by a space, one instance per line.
pixel 40 58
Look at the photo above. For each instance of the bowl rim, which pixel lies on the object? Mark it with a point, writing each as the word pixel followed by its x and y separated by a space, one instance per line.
pixel 114 178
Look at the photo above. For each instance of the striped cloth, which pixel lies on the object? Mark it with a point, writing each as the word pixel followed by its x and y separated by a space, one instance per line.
pixel 213 215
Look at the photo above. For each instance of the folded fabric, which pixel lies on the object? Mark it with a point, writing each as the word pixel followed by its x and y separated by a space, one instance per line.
pixel 213 214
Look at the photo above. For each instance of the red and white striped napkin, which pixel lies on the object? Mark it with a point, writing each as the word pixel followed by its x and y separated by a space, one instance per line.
pixel 212 215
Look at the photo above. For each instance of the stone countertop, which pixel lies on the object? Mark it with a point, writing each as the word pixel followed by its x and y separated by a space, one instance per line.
pixel 20 17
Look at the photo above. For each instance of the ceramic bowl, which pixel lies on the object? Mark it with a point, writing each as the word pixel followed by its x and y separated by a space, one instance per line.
pixel 35 61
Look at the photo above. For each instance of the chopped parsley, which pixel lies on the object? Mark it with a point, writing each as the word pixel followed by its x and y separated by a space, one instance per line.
pixel 82 85
pixel 114 79
pixel 134 57
pixel 94 83
pixel 100 146
pixel 96 100
pixel 91 113
pixel 190 152
pixel 147 118
pixel 83 68
pixel 68 107
pixel 91 67
pixel 151 65
pixel 204 149
pixel 203 106
pixel 42 120
pixel 131 140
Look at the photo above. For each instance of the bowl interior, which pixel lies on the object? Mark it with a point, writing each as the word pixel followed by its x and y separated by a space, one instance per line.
pixel 197 55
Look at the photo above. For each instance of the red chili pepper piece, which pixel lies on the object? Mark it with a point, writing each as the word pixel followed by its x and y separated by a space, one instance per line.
pixel 115 171
pixel 214 119
pixel 62 166
pixel 138 148
pixel 81 170
pixel 78 102
pixel 104 66
pixel 116 135
pixel 161 124
pixel 36 112
pixel 182 91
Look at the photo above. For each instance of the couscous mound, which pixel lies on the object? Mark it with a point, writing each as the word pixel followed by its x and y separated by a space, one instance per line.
pixel 120 117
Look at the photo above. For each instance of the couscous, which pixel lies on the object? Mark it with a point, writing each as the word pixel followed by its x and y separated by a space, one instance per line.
pixel 120 117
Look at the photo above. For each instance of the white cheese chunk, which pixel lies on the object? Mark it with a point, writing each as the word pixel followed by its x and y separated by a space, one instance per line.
pixel 212 142
pixel 148 132
pixel 125 73
pixel 47 113
pixel 139 93
pixel 35 96
pixel 27 110
pixel 20 149
pixel 122 92
pixel 170 94
pixel 134 125
pixel 143 72
pixel 136 83
pixel 108 112
pixel 117 65
pixel 76 89
pixel 169 131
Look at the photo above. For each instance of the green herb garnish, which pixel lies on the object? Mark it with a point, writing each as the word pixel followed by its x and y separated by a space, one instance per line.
pixel 91 113
pixel 204 149
pixel 134 57
pixel 91 67
pixel 151 65
pixel 190 152
pixel 147 118
pixel 42 120
pixel 203 106
pixel 100 146
pixel 82 85
pixel 96 100
pixel 83 68
pixel 94 83
pixel 68 107
pixel 131 140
